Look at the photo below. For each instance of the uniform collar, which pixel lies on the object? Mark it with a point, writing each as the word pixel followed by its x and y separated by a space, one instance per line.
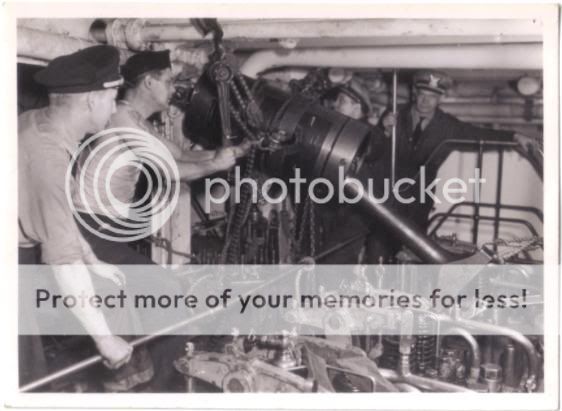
pixel 416 117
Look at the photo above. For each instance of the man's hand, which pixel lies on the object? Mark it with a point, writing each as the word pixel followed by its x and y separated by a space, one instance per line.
pixel 225 158
pixel 388 121
pixel 528 144
pixel 242 149
pixel 109 272
pixel 115 351
pixel 530 148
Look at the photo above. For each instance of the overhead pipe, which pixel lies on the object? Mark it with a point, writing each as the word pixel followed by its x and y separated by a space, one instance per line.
pixel 45 46
pixel 490 56
pixel 140 32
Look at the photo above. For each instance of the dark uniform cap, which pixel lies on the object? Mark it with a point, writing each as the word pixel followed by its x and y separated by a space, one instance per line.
pixel 357 92
pixel 89 69
pixel 144 62
pixel 435 81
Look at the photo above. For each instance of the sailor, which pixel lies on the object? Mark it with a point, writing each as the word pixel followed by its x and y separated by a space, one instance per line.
pixel 148 90
pixel 422 130
pixel 82 88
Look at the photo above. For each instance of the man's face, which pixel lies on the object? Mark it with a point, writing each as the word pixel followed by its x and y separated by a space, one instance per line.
pixel 102 106
pixel 162 88
pixel 426 101
pixel 348 106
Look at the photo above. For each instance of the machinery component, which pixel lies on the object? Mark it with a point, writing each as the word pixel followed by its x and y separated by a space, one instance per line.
pixel 232 373
pixel 508 365
pixel 425 345
pixel 492 375
pixel 324 142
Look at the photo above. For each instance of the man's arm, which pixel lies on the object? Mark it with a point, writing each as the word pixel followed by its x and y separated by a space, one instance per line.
pixel 527 146
pixel 223 160
pixel 74 279
pixel 467 131
pixel 63 248
pixel 199 156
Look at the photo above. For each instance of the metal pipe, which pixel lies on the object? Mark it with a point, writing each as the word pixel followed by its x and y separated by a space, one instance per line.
pixel 495 56
pixel 383 31
pixel 497 205
pixel 508 366
pixel 413 237
pixel 474 348
pixel 46 46
pixel 394 104
pixel 477 192
pixel 404 387
pixel 524 342
pixel 422 382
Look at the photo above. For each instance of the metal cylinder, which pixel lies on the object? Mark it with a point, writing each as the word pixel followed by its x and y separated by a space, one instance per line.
pixel 508 363
pixel 326 144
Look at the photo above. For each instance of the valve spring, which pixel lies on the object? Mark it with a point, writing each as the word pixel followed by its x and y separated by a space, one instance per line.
pixel 425 345
pixel 391 357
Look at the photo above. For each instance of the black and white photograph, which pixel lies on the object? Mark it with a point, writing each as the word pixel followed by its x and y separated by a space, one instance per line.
pixel 285 199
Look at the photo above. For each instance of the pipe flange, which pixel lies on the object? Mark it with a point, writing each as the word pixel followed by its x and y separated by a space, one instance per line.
pixel 238 381
pixel 133 34
pixel 115 33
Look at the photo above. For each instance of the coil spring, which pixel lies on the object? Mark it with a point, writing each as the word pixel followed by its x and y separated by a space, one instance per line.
pixel 425 345
pixel 391 357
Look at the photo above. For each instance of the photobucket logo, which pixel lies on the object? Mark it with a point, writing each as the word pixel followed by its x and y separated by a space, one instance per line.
pixel 101 179
pixel 321 190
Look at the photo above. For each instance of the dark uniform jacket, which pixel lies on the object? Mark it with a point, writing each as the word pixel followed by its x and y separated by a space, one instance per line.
pixel 443 134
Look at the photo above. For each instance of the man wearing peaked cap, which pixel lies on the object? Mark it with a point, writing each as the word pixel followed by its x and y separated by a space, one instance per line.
pixel 90 69
pixel 149 85
pixel 422 127
pixel 82 88
pixel 434 81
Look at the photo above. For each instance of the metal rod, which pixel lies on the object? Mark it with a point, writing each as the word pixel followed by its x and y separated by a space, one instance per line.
pixel 477 192
pixel 497 207
pixel 525 223
pixel 394 103
pixel 448 214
